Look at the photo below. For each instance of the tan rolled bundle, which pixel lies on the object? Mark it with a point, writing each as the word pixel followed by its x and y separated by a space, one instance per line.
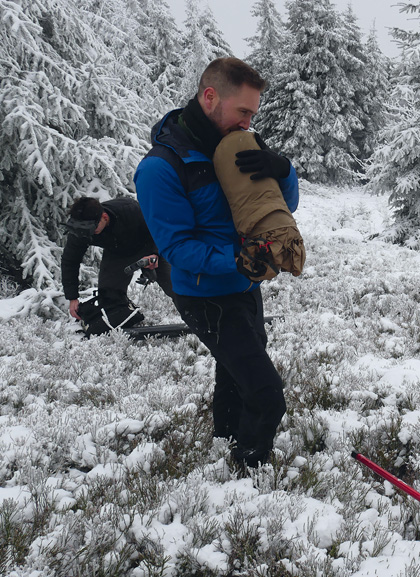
pixel 259 212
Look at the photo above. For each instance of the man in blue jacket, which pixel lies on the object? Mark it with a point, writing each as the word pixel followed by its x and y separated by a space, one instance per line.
pixel 191 222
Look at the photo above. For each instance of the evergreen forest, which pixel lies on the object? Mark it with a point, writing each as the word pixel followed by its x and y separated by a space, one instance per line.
pixel 82 83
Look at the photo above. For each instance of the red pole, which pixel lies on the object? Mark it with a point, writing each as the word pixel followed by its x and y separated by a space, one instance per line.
pixel 394 480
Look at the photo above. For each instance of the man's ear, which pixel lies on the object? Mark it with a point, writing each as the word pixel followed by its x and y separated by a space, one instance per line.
pixel 210 99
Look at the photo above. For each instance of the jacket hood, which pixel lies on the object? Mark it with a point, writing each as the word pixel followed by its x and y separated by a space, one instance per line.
pixel 168 132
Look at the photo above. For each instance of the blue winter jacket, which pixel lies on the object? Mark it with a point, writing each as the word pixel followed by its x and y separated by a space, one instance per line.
pixel 188 215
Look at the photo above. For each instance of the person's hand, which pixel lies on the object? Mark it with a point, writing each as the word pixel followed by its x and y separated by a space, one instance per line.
pixel 154 264
pixel 260 268
pixel 264 163
pixel 74 306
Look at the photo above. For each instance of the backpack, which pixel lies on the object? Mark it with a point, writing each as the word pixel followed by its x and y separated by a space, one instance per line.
pixel 100 316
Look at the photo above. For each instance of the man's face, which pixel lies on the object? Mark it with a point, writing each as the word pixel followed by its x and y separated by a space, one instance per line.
pixel 234 112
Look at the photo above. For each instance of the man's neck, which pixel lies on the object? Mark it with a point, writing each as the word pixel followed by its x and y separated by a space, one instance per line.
pixel 200 128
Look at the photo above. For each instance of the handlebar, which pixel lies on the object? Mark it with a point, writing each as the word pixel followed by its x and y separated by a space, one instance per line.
pixel 142 263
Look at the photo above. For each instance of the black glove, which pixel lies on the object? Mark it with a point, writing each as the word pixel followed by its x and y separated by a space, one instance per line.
pixel 264 163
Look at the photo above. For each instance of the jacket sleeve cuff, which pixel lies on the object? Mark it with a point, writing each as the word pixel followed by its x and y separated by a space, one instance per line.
pixel 71 296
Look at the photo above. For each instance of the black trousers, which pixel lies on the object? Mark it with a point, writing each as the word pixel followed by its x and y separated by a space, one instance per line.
pixel 248 400
pixel 113 280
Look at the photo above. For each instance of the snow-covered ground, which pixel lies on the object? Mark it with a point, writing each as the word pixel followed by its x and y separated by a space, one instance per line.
pixel 108 467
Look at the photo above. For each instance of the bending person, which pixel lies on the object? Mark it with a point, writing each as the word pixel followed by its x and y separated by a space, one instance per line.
pixel 119 228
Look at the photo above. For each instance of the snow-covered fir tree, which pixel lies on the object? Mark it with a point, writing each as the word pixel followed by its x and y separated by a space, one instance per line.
pixel 162 53
pixel 218 46
pixel 368 72
pixel 352 59
pixel 377 78
pixel 68 127
pixel 268 47
pixel 317 114
pixel 268 44
pixel 202 45
pixel 145 44
pixel 395 165
pixel 115 24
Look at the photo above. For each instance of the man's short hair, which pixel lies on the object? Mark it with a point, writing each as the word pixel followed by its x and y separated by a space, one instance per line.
pixel 226 74
pixel 87 208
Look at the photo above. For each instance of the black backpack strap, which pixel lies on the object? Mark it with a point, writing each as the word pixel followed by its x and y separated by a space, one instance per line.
pixel 173 159
pixel 192 175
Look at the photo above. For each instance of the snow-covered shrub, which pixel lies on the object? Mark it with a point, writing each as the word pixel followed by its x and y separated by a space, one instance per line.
pixel 107 462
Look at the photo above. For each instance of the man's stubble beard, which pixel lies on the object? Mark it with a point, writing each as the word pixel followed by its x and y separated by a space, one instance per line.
pixel 216 118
